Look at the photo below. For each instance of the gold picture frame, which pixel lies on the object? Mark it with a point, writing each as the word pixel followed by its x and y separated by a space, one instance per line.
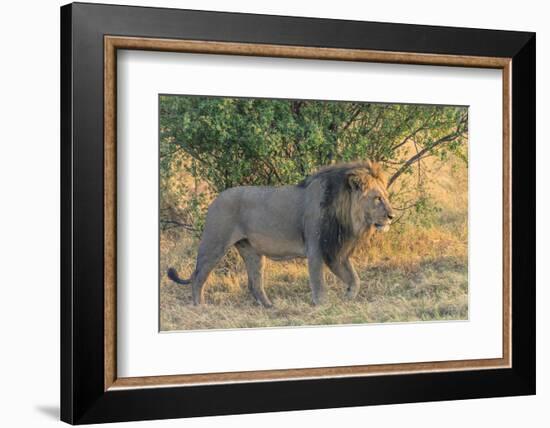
pixel 114 43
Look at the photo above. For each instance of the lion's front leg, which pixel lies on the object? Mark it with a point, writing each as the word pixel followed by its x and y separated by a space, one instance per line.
pixel 316 277
pixel 346 272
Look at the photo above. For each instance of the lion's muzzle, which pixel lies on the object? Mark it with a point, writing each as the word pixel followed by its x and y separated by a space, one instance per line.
pixel 383 227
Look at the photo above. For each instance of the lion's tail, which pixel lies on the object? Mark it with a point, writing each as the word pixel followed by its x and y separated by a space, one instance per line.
pixel 173 275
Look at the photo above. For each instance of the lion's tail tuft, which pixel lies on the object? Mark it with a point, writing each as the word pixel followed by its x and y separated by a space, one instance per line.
pixel 173 275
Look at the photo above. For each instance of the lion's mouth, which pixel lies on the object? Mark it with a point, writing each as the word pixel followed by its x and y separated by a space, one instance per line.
pixel 382 227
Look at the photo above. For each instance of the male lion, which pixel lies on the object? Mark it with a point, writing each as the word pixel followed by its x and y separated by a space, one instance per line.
pixel 321 219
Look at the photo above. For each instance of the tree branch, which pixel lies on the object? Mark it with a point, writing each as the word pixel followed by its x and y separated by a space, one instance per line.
pixel 420 154
pixel 358 110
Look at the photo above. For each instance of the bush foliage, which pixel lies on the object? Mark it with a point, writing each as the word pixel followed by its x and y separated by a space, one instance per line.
pixel 226 142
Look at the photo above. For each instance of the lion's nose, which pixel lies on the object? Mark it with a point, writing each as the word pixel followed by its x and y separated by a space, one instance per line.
pixel 391 216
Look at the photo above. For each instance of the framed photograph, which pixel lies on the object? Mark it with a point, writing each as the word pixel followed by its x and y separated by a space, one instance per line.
pixel 266 213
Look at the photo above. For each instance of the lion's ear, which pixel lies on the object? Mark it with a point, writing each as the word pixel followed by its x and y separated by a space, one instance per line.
pixel 354 182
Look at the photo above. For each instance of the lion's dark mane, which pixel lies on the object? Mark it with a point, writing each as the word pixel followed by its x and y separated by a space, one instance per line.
pixel 337 238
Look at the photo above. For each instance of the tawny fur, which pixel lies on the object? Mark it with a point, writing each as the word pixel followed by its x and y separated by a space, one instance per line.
pixel 323 218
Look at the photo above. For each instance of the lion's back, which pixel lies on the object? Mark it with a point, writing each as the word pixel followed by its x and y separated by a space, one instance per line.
pixel 270 206
pixel 262 213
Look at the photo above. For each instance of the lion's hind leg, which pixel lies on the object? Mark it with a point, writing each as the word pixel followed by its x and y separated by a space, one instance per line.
pixel 255 269
pixel 213 247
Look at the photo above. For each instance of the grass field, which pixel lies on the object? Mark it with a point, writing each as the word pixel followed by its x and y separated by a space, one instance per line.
pixel 414 272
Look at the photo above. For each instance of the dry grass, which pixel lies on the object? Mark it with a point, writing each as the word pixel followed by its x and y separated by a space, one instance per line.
pixel 424 282
pixel 412 273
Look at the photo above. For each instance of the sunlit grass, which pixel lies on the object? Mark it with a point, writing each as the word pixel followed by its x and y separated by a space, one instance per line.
pixel 423 281
pixel 412 273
